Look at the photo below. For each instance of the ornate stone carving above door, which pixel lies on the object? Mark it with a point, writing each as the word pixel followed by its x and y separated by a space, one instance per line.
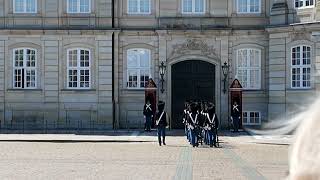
pixel 193 46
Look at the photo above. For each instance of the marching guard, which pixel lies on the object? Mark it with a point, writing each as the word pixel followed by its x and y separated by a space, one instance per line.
pixel 201 120
pixel 193 123
pixel 148 114
pixel 201 123
pixel 211 124
pixel 184 118
pixel 204 127
pixel 161 123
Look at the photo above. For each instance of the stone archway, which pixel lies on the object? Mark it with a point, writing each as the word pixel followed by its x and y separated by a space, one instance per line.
pixel 190 80
pixel 193 50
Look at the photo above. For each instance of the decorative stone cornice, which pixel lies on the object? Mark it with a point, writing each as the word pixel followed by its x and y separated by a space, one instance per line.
pixel 192 45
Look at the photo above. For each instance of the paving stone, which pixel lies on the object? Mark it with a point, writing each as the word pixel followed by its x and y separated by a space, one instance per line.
pixel 239 157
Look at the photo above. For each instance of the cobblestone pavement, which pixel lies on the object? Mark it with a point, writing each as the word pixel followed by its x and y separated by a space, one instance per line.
pixel 240 157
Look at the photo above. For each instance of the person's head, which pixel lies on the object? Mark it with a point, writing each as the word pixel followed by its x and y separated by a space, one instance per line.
pixel 202 105
pixel 235 103
pixel 161 105
pixel 211 108
pixel 205 106
pixel 193 107
pixel 148 101
pixel 199 106
pixel 186 104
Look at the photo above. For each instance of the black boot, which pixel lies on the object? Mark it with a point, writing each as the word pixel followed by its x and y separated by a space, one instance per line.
pixel 215 144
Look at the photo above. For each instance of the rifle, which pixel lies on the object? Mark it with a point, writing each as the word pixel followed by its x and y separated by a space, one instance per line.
pixel 217 140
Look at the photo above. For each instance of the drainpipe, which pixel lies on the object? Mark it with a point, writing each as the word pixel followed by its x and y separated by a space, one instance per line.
pixel 113 85
pixel 113 101
pixel 112 13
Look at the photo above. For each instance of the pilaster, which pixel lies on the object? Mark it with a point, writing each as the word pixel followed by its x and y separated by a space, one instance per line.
pixel 104 81
pixel 2 82
pixel 277 76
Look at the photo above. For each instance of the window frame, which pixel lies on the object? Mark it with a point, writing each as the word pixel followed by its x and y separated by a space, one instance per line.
pixel 139 12
pixel 301 66
pixel 245 87
pixel 25 7
pixel 138 69
pixel 79 68
pixel 304 4
pixel 24 68
pixel 248 8
pixel 248 118
pixel 78 8
pixel 193 7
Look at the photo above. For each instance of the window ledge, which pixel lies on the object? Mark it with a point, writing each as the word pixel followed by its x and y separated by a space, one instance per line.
pixel 193 14
pixel 12 89
pixel 78 90
pixel 132 89
pixel 300 89
pixel 138 14
pixel 304 8
pixel 26 13
pixel 250 15
pixel 75 15
pixel 253 90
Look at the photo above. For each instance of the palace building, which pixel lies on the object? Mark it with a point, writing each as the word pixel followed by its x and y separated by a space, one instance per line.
pixel 84 64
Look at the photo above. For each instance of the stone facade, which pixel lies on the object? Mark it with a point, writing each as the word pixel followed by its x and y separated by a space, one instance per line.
pixel 51 102
pixel 171 36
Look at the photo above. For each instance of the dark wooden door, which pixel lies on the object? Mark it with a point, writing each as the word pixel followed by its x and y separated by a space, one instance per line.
pixel 191 80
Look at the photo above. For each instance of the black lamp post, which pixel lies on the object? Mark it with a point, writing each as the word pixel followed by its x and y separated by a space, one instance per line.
pixel 225 71
pixel 162 70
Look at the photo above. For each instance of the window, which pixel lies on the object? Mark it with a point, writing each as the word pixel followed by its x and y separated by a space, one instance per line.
pixel 79 6
pixel 301 67
pixel 303 3
pixel 193 6
pixel 139 7
pixel 79 69
pixel 249 68
pixel 24 68
pixel 249 6
pixel 251 118
pixel 138 68
pixel 24 6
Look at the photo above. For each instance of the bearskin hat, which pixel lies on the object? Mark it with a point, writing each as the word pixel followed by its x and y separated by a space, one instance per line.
pixel 211 107
pixel 193 107
pixel 161 105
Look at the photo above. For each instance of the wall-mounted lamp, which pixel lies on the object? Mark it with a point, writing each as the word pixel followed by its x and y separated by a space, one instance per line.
pixel 162 71
pixel 225 70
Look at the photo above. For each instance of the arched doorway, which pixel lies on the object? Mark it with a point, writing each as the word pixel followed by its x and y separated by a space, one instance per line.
pixel 191 80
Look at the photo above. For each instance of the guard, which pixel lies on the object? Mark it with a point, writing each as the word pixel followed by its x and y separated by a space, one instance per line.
pixel 212 124
pixel 235 115
pixel 184 118
pixel 161 123
pixel 148 114
pixel 192 120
